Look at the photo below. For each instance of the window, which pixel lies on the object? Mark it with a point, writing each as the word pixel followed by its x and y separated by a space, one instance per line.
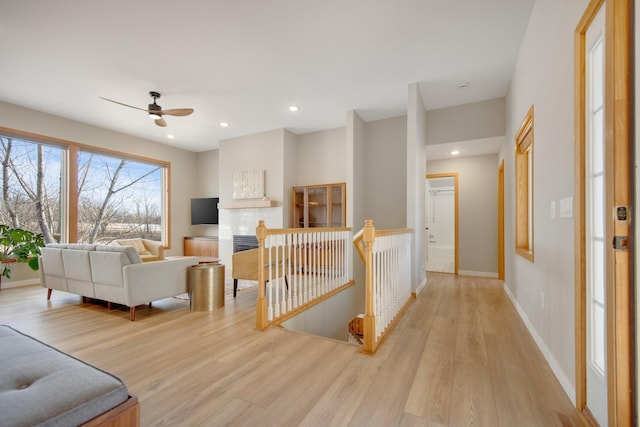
pixel 110 196
pixel 524 188
pixel 31 187
pixel 117 198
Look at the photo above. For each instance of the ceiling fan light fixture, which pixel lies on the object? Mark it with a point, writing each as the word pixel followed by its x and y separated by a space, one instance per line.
pixel 155 116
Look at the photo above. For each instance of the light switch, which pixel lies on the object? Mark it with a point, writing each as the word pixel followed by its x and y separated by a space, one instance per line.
pixel 552 209
pixel 566 207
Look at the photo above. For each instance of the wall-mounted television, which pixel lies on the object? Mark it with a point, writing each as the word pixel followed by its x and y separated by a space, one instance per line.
pixel 204 211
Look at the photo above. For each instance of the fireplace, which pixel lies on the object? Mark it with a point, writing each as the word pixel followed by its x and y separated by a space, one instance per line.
pixel 244 242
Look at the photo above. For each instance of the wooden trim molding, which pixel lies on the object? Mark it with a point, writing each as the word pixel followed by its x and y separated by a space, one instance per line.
pixel 618 139
pixel 524 187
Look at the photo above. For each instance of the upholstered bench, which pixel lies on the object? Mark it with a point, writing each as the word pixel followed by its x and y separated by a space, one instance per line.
pixel 42 386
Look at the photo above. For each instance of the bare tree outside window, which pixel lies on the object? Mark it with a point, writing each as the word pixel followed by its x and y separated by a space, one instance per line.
pixel 117 197
pixel 31 177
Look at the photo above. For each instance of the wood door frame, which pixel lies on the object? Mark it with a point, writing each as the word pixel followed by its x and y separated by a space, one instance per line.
pixel 453 175
pixel 501 220
pixel 618 138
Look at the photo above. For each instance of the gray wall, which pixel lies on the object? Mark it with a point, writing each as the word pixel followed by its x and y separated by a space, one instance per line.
pixel 386 177
pixel 415 177
pixel 207 186
pixel 477 120
pixel 477 211
pixel 321 157
pixel 543 290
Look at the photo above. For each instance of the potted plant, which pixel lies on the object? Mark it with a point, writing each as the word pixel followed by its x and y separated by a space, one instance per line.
pixel 18 245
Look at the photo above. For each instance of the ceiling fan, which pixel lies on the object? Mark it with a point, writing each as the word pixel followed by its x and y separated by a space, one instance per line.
pixel 155 111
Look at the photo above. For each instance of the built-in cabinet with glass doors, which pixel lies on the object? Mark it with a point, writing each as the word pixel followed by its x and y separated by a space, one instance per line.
pixel 319 206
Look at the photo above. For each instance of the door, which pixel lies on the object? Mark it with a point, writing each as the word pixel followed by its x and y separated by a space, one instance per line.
pixel 442 223
pixel 603 286
pixel 594 166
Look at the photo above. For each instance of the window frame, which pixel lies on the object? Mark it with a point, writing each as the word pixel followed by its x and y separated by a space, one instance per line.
pixel 69 196
pixel 524 167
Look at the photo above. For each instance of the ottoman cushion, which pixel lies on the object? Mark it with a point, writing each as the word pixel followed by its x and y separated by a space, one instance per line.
pixel 42 386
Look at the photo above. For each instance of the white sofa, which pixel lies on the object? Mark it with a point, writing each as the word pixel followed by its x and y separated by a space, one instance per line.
pixel 115 274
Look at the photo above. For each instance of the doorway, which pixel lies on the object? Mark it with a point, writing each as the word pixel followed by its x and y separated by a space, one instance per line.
pixel 441 220
pixel 602 186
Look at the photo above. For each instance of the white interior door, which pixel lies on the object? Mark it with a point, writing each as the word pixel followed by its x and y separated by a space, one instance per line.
pixel 441 225
pixel 596 339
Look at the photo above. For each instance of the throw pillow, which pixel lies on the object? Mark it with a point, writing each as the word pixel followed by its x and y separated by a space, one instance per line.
pixel 137 245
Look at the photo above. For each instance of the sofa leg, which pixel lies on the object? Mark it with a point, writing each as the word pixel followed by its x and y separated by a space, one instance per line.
pixel 49 291
pixel 132 313
pixel 235 287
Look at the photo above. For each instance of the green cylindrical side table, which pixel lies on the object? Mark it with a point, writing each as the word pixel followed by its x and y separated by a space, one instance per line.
pixel 206 287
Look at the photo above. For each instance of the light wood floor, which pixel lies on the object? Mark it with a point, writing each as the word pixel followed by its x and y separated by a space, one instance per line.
pixel 459 357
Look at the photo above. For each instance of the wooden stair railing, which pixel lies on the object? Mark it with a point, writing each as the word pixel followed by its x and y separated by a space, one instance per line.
pixel 387 282
pixel 316 263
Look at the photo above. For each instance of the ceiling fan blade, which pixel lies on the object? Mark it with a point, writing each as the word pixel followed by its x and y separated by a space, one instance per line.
pixel 126 105
pixel 178 111
pixel 161 122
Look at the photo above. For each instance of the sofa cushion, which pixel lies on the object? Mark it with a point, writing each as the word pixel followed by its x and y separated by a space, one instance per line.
pixel 78 271
pixel 40 385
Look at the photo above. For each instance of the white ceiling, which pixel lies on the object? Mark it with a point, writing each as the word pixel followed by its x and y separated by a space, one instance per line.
pixel 245 61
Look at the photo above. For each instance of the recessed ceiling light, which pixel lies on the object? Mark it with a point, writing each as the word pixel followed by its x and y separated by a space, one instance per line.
pixel 171 136
pixel 293 108
pixel 224 124
pixel 455 152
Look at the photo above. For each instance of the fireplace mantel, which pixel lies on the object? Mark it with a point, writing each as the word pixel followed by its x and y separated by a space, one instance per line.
pixel 247 204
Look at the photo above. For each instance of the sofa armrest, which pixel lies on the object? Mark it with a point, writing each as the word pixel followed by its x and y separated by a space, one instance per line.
pixel 154 247
pixel 150 281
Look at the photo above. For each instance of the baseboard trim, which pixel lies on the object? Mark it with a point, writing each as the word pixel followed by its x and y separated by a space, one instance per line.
pixel 421 286
pixel 565 382
pixel 19 283
pixel 478 273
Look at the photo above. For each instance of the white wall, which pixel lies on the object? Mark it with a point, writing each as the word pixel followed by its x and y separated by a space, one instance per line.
pixel 183 172
pixel 385 174
pixel 262 150
pixel 477 120
pixel 477 211
pixel 321 157
pixel 265 151
pixel 543 290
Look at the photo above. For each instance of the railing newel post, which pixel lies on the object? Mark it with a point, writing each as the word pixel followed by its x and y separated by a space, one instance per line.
pixel 369 321
pixel 261 303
